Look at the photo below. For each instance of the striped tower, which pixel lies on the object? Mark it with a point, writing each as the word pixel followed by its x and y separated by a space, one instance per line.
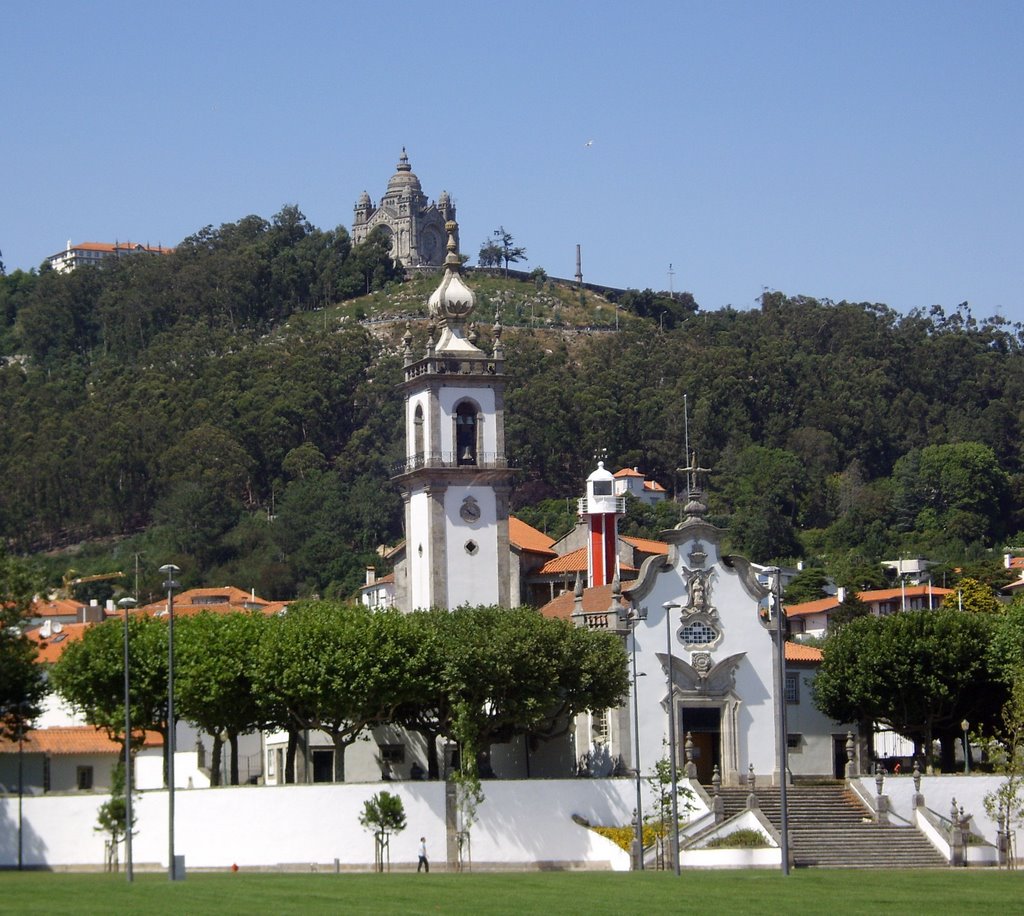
pixel 602 508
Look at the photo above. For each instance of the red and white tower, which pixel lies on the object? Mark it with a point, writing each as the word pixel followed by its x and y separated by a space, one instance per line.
pixel 602 508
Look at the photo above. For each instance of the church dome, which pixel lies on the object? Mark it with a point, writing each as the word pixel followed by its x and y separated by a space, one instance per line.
pixel 444 200
pixel 404 178
pixel 364 201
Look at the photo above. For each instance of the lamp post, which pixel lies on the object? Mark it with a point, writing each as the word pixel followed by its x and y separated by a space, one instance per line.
pixel 783 737
pixel 126 604
pixel 965 727
pixel 170 570
pixel 21 776
pixel 669 606
pixel 632 617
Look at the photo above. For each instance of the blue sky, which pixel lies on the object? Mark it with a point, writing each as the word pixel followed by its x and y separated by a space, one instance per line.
pixel 862 151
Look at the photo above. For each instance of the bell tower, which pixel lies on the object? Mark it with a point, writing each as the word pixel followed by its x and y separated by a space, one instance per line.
pixel 455 479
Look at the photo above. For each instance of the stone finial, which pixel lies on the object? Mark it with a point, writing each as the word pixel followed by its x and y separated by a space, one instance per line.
pixel 689 768
pixel 850 746
pixel 497 351
pixel 407 345
pixel 452 300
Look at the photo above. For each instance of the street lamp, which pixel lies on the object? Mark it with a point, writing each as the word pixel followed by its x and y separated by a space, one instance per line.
pixel 631 618
pixel 669 606
pixel 783 737
pixel 170 570
pixel 126 604
pixel 965 726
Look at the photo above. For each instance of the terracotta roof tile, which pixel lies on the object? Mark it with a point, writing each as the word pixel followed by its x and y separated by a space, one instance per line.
pixel 831 602
pixel 812 607
pixel 645 545
pixel 73 739
pixel 595 600
pixel 225 600
pixel 628 472
pixel 795 652
pixel 52 647
pixel 526 537
pixel 574 561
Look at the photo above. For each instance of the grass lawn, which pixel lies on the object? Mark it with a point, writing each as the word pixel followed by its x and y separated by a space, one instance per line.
pixel 554 894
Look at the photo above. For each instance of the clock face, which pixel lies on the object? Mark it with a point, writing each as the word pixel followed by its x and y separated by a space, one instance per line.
pixel 470 510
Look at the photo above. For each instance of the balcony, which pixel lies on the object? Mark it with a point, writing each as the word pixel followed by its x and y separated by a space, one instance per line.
pixel 484 460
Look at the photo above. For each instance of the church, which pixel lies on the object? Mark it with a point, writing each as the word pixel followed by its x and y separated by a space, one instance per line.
pixel 415 226
pixel 702 630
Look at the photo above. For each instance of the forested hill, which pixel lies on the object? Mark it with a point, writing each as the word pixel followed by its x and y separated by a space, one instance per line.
pixel 232 408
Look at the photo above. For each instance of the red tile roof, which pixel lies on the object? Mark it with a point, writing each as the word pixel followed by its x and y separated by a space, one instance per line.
pixel 645 545
pixel 595 600
pixel 51 648
pixel 56 607
pixel 628 472
pixel 872 596
pixel 526 537
pixel 225 600
pixel 73 739
pixel 796 652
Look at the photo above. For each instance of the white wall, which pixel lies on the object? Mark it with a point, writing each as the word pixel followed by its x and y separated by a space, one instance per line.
pixel 472 579
pixel 520 823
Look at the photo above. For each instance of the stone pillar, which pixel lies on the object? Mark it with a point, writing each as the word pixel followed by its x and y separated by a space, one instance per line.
pixel 917 799
pixel 451 825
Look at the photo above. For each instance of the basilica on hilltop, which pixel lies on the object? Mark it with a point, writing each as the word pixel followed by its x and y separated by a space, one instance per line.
pixel 415 225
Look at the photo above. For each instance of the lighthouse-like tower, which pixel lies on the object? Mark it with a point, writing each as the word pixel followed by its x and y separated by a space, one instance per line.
pixel 455 479
pixel 601 508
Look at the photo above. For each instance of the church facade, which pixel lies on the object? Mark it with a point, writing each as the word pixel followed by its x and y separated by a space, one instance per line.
pixel 415 225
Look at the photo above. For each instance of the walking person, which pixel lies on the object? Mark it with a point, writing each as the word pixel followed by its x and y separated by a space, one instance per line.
pixel 423 864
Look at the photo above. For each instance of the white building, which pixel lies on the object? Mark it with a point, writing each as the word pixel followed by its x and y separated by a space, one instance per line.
pixel 93 253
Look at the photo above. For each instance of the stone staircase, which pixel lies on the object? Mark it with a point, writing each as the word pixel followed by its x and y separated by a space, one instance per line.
pixel 830 828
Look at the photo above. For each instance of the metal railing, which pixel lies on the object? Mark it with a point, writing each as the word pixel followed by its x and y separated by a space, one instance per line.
pixel 483 460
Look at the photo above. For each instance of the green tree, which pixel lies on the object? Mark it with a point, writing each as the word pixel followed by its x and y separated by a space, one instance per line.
pixel 921 673
pixel 384 814
pixel 112 815
pixel 90 676
pixel 508 251
pixel 972 596
pixel 506 672
pixel 22 684
pixel 808 585
pixel 215 659
pixel 333 667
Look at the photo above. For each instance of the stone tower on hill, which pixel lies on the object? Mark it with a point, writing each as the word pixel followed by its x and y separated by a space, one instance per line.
pixel 416 226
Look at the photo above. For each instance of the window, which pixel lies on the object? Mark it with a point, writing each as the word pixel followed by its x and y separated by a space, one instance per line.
pixel 417 426
pixel 270 762
pixel 698 633
pixel 392 753
pixel 465 433
pixel 793 742
pixel 599 727
pixel 792 687
pixel 602 488
pixel 84 778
